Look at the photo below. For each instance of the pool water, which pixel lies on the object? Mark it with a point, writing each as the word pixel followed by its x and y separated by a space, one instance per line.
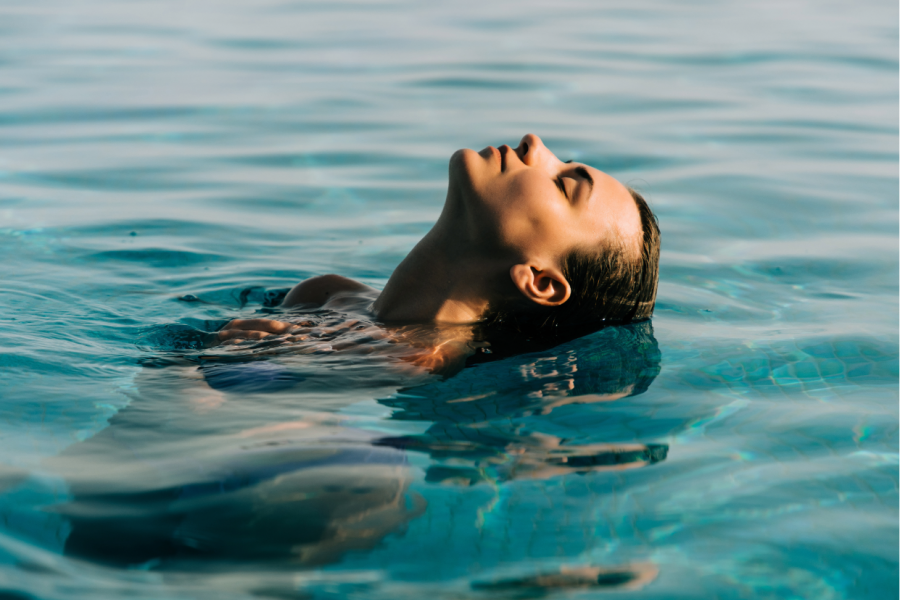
pixel 165 167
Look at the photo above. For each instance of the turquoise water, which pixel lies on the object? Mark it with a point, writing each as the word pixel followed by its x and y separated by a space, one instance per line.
pixel 167 166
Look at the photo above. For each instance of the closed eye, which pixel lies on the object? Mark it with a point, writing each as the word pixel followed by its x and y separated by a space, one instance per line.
pixel 561 186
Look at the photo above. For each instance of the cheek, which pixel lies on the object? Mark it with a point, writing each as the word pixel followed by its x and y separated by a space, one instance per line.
pixel 529 195
pixel 535 217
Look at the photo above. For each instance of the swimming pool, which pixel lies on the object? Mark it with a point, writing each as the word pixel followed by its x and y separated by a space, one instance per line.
pixel 164 167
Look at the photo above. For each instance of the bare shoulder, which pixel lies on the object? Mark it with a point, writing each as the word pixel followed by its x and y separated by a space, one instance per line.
pixel 319 290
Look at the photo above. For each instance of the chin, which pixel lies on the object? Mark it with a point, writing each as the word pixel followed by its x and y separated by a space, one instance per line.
pixel 462 169
pixel 461 160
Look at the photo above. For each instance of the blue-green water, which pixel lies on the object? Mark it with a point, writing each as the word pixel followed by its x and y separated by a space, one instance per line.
pixel 164 166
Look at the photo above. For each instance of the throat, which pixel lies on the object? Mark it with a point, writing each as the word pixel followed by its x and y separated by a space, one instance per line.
pixel 435 284
pixel 431 295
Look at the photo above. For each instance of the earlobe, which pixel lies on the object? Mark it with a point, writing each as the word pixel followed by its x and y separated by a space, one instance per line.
pixel 546 287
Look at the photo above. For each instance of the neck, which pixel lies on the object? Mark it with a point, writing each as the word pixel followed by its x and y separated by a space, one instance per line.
pixel 444 279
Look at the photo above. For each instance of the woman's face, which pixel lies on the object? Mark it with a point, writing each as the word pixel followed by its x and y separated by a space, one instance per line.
pixel 531 203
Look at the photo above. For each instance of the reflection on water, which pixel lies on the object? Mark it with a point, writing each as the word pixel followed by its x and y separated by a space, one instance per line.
pixel 577 578
pixel 478 435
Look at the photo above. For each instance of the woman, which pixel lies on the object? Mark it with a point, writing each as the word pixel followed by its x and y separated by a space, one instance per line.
pixel 527 246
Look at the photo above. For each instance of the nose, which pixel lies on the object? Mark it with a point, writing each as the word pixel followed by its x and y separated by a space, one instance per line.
pixel 532 150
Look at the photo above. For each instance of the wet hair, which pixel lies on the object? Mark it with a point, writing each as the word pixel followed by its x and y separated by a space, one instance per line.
pixel 611 285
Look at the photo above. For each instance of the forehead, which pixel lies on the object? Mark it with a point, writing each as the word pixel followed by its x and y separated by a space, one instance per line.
pixel 613 202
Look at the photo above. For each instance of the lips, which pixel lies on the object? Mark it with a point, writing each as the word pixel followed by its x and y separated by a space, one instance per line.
pixel 499 153
pixel 504 150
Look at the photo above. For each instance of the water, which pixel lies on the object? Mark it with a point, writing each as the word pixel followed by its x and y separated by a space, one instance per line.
pixel 166 166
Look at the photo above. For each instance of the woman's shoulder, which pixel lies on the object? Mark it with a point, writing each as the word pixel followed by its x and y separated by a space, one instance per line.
pixel 321 289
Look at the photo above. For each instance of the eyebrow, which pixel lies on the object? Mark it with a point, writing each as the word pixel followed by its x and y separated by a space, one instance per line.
pixel 584 173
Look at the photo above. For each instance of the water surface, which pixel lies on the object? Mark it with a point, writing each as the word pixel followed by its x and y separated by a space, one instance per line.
pixel 167 166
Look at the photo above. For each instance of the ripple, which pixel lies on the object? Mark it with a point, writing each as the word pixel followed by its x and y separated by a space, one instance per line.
pixel 163 258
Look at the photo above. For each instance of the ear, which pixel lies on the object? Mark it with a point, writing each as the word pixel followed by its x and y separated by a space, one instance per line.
pixel 546 287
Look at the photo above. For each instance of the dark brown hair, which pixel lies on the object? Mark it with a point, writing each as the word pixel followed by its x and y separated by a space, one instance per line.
pixel 610 286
